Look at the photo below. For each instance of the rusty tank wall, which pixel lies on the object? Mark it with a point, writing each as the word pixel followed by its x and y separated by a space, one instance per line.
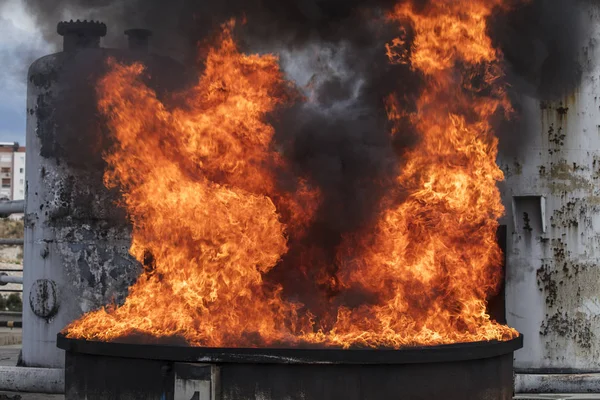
pixel 76 237
pixel 552 197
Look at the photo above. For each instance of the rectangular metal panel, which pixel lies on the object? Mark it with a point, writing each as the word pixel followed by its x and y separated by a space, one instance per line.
pixel 195 381
pixel 529 213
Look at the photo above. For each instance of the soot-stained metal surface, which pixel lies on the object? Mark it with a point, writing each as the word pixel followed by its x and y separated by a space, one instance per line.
pixel 552 272
pixel 77 236
pixel 103 370
pixel 552 196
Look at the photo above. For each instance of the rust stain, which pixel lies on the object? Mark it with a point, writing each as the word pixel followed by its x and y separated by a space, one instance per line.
pixel 565 177
pixel 578 328
pixel 547 284
pixel 515 169
pixel 566 216
pixel 556 137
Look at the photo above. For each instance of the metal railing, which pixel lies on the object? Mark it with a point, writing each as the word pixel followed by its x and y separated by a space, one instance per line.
pixel 12 242
pixel 12 207
pixel 5 279
pixel 11 324
pixel 8 208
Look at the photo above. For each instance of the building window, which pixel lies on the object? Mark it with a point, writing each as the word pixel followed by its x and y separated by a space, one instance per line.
pixel 5 183
pixel 21 170
pixel 21 181
pixel 5 158
pixel 5 170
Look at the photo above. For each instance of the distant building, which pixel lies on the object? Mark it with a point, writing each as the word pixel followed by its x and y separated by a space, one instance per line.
pixel 12 171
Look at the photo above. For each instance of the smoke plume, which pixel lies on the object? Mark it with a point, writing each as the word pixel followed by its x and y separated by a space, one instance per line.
pixel 540 39
pixel 542 42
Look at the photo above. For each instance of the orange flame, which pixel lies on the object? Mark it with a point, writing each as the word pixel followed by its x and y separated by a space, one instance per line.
pixel 210 222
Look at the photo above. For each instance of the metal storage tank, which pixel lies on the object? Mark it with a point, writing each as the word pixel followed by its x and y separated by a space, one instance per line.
pixel 552 197
pixel 76 238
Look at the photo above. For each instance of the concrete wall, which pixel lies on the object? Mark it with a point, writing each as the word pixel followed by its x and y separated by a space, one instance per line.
pixel 12 171
pixel 18 175
pixel 6 174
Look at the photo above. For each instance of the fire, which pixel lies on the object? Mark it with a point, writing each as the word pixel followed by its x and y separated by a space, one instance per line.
pixel 210 220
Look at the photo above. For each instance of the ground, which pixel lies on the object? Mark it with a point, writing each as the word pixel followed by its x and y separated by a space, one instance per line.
pixel 29 396
pixel 9 355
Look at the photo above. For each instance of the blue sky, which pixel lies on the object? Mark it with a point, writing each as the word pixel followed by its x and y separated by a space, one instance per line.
pixel 20 44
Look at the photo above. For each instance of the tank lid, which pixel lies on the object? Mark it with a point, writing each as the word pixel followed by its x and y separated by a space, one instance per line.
pixel 138 38
pixel 81 34
pixel 82 28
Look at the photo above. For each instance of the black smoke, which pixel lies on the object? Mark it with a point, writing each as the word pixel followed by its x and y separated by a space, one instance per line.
pixel 542 43
pixel 540 39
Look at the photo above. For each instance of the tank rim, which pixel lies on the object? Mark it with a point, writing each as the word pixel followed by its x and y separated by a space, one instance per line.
pixel 408 355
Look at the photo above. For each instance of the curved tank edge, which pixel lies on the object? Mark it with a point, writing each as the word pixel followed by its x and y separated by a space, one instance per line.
pixel 295 355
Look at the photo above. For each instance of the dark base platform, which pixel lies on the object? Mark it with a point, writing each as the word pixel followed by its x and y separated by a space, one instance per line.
pixel 472 371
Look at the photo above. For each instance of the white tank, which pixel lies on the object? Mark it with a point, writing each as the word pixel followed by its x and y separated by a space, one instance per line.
pixel 552 197
pixel 76 238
